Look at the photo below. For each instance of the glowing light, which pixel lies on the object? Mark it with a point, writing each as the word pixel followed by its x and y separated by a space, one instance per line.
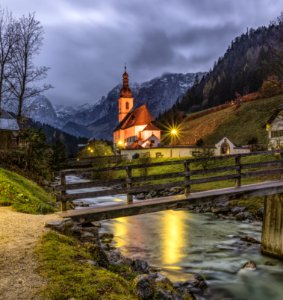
pixel 174 232
pixel 121 230
pixel 120 143
pixel 174 131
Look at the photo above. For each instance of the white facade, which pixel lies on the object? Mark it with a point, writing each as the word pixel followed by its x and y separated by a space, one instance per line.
pixel 275 132
pixel 226 147
pixel 223 147
pixel 158 152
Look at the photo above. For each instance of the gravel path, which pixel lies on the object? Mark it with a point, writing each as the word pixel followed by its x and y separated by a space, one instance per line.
pixel 19 279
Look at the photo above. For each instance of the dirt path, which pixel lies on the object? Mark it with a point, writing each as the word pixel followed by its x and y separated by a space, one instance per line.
pixel 19 233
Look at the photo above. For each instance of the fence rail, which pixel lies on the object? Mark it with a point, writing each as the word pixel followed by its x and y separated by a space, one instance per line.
pixel 130 184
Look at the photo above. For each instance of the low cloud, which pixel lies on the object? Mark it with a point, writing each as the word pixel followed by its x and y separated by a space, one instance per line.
pixel 87 42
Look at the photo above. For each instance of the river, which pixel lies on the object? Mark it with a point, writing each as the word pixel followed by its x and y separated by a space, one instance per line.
pixel 181 243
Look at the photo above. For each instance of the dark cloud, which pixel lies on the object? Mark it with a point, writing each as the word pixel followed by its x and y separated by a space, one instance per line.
pixel 87 42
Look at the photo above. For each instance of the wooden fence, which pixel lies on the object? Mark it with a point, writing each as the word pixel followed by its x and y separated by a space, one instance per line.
pixel 130 184
pixel 96 160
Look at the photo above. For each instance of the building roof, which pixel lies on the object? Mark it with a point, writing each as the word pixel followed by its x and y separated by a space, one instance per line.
pixel 138 116
pixel 135 145
pixel 8 122
pixel 275 114
pixel 151 127
pixel 148 139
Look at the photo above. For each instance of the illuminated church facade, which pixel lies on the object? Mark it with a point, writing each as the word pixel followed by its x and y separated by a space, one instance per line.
pixel 135 129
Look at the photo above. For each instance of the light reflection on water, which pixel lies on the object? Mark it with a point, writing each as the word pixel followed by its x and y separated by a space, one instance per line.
pixel 173 241
pixel 182 243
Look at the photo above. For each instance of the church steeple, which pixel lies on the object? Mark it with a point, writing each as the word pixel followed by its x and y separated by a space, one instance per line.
pixel 126 100
pixel 125 91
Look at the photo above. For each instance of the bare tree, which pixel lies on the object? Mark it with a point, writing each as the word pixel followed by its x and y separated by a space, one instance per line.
pixel 8 39
pixel 25 74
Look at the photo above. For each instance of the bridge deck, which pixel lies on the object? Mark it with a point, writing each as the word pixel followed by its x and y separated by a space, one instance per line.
pixel 173 202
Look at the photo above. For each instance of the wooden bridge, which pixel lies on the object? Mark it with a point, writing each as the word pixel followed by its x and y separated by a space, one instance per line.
pixel 243 175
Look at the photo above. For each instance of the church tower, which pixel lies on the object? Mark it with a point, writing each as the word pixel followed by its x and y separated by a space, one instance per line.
pixel 126 100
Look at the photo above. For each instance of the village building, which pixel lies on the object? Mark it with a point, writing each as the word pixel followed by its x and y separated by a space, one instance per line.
pixel 135 129
pixel 274 127
pixel 9 130
pixel 223 147
pixel 227 147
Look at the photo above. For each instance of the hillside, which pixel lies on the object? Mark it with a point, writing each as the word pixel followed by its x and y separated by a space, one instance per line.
pixel 248 61
pixel 241 124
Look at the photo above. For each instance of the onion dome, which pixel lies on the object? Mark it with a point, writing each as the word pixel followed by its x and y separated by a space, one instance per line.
pixel 125 91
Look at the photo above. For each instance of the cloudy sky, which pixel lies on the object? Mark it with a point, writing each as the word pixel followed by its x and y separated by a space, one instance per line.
pixel 87 42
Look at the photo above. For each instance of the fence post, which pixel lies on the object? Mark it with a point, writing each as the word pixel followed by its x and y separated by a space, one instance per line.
pixel 187 178
pixel 129 184
pixel 63 192
pixel 238 170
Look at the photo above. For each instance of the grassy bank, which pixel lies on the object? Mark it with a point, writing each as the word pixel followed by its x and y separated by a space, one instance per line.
pixel 65 263
pixel 23 194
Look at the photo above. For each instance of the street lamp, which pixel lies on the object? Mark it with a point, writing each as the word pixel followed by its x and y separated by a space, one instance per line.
pixel 174 132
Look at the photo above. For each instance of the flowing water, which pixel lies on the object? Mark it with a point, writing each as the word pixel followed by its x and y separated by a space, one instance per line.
pixel 181 243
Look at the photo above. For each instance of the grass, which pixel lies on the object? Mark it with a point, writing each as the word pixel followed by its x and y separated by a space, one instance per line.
pixel 252 204
pixel 63 261
pixel 230 122
pixel 23 194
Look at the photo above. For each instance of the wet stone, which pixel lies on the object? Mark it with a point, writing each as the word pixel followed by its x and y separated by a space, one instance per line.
pixel 140 266
pixel 144 286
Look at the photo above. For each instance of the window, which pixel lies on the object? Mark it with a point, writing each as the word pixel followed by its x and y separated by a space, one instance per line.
pixel 127 105
pixel 276 133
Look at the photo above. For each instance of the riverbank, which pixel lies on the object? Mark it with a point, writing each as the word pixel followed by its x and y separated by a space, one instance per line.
pixel 102 269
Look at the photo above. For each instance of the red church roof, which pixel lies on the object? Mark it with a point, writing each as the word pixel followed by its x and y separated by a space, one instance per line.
pixel 151 127
pixel 138 116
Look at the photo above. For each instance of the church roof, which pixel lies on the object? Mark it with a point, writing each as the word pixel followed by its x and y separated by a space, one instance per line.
pixel 138 116
pixel 8 122
pixel 151 127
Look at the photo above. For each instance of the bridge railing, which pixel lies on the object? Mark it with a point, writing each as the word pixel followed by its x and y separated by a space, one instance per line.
pixel 133 178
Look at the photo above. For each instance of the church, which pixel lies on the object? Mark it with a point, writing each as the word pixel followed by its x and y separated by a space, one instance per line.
pixel 135 129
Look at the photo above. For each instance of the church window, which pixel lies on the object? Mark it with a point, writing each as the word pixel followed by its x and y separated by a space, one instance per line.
pixel 127 105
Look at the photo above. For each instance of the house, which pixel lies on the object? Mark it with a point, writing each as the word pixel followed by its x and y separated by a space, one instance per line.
pixel 135 128
pixel 227 147
pixel 9 130
pixel 274 127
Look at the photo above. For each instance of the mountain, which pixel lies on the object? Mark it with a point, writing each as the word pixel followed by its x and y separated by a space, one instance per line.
pixel 249 60
pixel 54 135
pixel 159 94
pixel 76 129
pixel 98 120
pixel 41 110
